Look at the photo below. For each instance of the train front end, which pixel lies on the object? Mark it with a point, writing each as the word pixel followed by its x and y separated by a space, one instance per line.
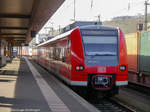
pixel 103 58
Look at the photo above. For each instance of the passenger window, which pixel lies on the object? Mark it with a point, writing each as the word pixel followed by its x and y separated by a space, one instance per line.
pixel 68 44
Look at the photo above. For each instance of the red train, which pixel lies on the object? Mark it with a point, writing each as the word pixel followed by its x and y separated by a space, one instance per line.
pixel 92 56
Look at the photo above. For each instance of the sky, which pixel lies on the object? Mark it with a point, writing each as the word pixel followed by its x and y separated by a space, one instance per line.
pixel 89 10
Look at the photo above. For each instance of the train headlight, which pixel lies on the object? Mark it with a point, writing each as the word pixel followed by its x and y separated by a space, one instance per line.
pixel 122 67
pixel 79 68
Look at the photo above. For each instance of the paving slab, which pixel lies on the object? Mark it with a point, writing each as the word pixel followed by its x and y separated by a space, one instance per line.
pixel 19 91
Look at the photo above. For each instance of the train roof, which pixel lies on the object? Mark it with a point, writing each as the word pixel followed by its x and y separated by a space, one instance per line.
pixel 79 24
pixel 97 27
pixel 87 27
pixel 56 38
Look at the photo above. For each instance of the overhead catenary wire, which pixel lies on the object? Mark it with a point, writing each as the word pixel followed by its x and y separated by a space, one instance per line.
pixel 131 8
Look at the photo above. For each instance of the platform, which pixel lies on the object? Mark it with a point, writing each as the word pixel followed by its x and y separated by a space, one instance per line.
pixel 27 87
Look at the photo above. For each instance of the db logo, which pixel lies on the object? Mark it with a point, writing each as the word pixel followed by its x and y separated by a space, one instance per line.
pixel 102 69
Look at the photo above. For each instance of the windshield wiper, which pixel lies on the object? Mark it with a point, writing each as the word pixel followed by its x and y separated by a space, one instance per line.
pixel 104 55
pixel 101 54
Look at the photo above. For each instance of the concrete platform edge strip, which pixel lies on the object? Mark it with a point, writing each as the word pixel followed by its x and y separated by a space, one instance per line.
pixel 54 102
pixel 83 102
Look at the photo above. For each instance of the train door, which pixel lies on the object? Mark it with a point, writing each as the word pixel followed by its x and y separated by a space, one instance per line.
pixel 68 58
pixel 58 60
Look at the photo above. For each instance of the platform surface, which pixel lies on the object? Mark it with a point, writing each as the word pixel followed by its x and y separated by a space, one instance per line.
pixel 26 87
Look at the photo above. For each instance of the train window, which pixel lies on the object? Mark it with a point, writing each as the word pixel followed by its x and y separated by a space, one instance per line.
pixel 68 47
pixel 50 52
pixel 44 52
pixel 100 39
pixel 63 55
pixel 100 49
pixel 47 54
pixel 100 45
pixel 58 53
pixel 68 43
pixel 54 53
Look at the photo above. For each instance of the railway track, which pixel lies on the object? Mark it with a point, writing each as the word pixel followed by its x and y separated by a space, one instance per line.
pixel 105 104
pixel 141 88
pixel 111 105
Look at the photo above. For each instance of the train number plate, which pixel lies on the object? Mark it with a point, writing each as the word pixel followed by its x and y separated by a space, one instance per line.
pixel 98 80
pixel 101 80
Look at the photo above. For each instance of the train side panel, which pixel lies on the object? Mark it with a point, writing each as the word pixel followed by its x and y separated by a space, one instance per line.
pixel 122 76
pixel 77 58
pixel 56 57
pixel 65 61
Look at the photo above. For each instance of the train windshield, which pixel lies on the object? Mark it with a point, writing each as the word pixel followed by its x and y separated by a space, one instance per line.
pixel 100 45
pixel 101 48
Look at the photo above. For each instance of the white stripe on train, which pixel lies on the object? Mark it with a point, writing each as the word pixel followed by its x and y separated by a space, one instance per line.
pixel 121 83
pixel 81 83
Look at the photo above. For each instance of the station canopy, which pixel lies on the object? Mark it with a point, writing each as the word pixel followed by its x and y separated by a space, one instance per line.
pixel 21 18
